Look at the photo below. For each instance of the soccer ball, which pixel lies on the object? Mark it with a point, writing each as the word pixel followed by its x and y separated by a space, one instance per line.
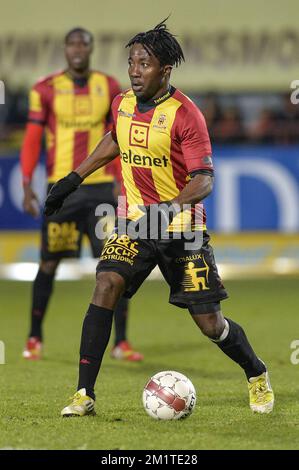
pixel 169 395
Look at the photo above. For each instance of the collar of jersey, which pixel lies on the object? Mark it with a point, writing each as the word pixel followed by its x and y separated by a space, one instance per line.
pixel 143 107
pixel 80 82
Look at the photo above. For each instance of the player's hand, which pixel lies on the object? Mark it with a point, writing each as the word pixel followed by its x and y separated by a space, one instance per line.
pixel 30 202
pixel 63 188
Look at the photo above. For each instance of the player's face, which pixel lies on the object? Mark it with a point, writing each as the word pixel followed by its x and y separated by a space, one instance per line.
pixel 77 51
pixel 148 78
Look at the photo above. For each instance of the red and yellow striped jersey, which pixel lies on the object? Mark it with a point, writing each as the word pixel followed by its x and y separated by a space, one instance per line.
pixel 76 116
pixel 161 143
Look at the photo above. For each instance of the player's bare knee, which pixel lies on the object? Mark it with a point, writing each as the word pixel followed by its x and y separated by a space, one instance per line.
pixel 109 285
pixel 211 325
pixel 49 267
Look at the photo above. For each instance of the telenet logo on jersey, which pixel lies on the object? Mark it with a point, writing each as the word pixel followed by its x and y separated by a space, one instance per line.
pixel 145 161
pixel 139 134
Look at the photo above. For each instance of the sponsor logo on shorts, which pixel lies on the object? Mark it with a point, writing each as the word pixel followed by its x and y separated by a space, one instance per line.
pixel 196 278
pixel 63 237
pixel 120 248
pixel 185 259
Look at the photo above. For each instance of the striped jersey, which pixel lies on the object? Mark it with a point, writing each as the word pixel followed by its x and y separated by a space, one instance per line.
pixel 162 144
pixel 76 116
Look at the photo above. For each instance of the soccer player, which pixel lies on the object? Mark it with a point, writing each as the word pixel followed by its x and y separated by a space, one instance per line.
pixel 165 152
pixel 73 106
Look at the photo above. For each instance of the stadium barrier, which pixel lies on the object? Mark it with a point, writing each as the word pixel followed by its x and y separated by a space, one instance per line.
pixel 250 254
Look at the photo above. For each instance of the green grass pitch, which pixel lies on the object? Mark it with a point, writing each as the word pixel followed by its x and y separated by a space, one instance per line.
pixel 33 394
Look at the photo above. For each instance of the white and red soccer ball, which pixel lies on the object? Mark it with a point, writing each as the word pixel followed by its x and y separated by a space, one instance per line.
pixel 169 395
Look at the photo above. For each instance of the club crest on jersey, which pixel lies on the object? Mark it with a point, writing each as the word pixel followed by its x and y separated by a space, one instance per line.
pixel 161 122
pixel 82 105
pixel 139 135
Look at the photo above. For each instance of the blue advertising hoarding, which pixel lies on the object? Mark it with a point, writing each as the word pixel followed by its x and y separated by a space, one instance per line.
pixel 256 188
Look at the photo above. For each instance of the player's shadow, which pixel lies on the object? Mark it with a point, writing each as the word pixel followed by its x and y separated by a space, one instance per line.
pixel 197 352
pixel 149 369
pixel 144 368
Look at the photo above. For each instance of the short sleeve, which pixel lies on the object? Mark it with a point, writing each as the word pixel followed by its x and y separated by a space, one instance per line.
pixel 114 88
pixel 114 115
pixel 38 109
pixel 193 136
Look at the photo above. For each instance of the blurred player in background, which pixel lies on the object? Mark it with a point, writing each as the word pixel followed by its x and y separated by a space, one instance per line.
pixel 73 107
pixel 166 158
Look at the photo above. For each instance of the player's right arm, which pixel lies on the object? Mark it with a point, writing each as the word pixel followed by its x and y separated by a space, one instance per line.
pixel 31 147
pixel 29 158
pixel 104 153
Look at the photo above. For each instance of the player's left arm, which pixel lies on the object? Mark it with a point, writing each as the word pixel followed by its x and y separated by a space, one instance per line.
pixel 199 187
pixel 197 151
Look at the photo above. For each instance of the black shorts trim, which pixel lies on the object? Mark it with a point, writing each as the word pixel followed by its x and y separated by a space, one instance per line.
pixel 182 302
pixel 203 309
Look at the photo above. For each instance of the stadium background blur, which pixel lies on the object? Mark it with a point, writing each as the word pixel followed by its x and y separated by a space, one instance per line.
pixel 241 58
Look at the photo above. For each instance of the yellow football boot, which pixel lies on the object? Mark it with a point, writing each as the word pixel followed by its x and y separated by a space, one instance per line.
pixel 261 396
pixel 81 405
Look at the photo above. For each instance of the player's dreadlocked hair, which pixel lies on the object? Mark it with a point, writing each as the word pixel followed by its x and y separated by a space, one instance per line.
pixel 78 30
pixel 160 43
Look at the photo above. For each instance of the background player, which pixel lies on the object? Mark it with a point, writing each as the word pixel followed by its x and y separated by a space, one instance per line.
pixel 73 106
pixel 158 122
